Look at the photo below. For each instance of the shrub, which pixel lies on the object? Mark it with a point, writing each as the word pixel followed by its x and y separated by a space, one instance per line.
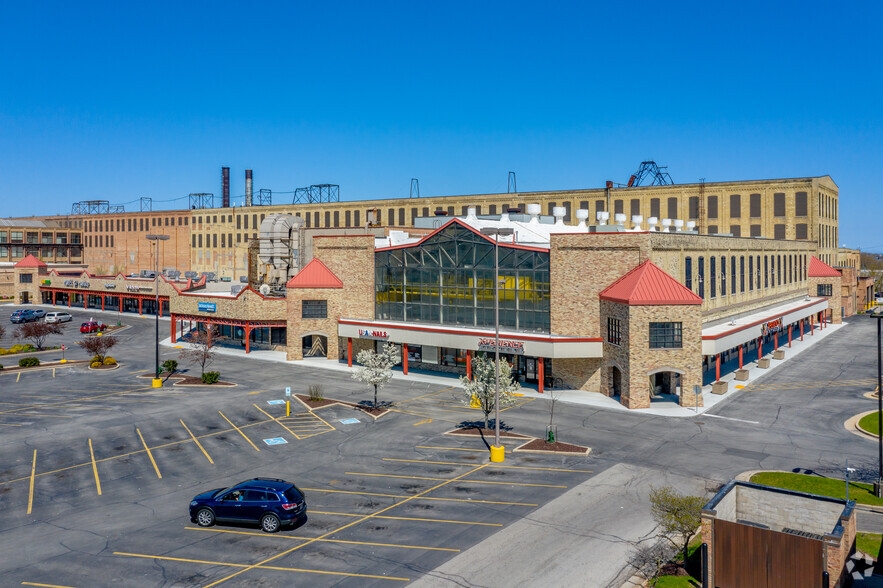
pixel 28 362
pixel 95 364
pixel 170 366
pixel 210 377
pixel 96 358
pixel 316 392
pixel 3 351
pixel 109 361
pixel 1 366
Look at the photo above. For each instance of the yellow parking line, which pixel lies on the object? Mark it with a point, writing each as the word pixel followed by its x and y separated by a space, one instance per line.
pixel 238 431
pixel 441 479
pixel 275 419
pixel 150 455
pixel 471 500
pixel 31 491
pixel 17 376
pixel 53 372
pixel 257 392
pixel 94 468
pixel 346 514
pixel 492 465
pixel 195 440
pixel 434 462
pixel 452 448
pixel 296 538
pixel 45 585
pixel 11 425
pixel 55 416
pixel 258 565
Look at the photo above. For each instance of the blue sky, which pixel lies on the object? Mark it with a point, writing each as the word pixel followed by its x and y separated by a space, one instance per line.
pixel 119 100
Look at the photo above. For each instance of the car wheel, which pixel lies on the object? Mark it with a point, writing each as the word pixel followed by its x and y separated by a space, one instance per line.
pixel 205 517
pixel 270 523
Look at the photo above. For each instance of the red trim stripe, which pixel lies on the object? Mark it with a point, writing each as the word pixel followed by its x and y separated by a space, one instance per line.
pixel 548 339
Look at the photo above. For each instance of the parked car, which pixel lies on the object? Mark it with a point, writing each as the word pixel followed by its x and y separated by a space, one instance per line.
pixel 23 316
pixel 39 312
pixel 58 317
pixel 92 327
pixel 269 502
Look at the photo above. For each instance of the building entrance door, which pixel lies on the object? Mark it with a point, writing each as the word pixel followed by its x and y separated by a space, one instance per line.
pixel 530 368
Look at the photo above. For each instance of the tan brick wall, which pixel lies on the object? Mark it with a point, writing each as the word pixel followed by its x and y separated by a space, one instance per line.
pixel 615 356
pixel 838 552
pixel 834 301
pixel 249 305
pixel 579 374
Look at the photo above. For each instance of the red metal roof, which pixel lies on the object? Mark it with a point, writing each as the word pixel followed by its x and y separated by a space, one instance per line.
pixel 30 261
pixel 647 285
pixel 315 275
pixel 820 269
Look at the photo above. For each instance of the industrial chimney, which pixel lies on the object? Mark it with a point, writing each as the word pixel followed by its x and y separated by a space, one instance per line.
pixel 248 191
pixel 225 185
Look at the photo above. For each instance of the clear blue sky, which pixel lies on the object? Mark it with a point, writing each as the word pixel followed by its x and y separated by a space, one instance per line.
pixel 119 100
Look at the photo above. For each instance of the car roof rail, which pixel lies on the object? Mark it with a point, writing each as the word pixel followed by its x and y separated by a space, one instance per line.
pixel 269 480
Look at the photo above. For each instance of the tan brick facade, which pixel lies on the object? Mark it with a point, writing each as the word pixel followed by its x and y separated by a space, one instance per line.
pixel 834 300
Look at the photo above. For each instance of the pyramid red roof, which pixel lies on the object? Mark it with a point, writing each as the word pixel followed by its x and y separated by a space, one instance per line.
pixel 647 285
pixel 315 275
pixel 820 269
pixel 30 261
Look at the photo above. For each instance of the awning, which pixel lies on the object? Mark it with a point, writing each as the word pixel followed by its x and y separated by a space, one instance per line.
pixel 723 337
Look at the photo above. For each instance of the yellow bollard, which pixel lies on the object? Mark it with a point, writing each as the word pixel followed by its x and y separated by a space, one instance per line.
pixel 157 383
pixel 287 408
pixel 497 453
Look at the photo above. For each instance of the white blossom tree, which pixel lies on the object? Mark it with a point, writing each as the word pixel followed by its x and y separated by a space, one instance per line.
pixel 480 390
pixel 376 367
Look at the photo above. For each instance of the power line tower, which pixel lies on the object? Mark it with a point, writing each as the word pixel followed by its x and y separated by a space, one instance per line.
pixel 648 170
pixel 511 189
pixel 146 204
pixel 415 188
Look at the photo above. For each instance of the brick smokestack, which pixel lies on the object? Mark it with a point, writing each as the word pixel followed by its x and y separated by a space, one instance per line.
pixel 248 189
pixel 225 187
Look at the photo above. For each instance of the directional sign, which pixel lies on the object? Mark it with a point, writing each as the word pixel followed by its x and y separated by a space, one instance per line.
pixel 275 402
pixel 288 391
pixel 275 441
pixel 349 421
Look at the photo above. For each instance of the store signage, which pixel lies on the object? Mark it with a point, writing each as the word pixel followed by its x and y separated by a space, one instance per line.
pixel 772 327
pixel 207 307
pixel 46 282
pixel 381 335
pixel 506 346
pixel 110 286
pixel 76 284
pixel 131 288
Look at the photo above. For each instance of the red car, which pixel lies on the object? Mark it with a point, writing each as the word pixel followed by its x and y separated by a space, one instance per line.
pixel 92 327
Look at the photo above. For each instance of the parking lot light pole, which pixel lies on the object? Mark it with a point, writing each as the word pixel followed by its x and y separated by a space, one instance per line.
pixel 498 452
pixel 878 485
pixel 157 382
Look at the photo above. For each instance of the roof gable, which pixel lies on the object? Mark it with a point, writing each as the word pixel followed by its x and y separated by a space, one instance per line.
pixel 820 269
pixel 315 275
pixel 648 285
pixel 30 261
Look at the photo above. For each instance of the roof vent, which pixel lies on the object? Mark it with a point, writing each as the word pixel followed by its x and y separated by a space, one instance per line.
pixel 441 212
pixel 637 219
pixel 679 224
pixel 581 215
pixel 534 211
pixel 651 223
pixel 666 224
pixel 470 214
pixel 691 225
pixel 619 218
pixel 558 212
pixel 602 217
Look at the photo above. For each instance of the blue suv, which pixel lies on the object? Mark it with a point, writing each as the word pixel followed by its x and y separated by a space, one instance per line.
pixel 269 502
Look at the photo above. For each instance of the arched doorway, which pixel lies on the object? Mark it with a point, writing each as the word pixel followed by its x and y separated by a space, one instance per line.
pixel 314 345
pixel 665 381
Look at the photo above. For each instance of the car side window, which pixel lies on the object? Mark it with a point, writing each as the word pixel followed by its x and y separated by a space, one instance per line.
pixel 272 497
pixel 255 496
pixel 234 496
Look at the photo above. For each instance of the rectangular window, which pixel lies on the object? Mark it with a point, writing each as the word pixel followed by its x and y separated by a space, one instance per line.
pixel 29 278
pixel 712 229
pixel 314 309
pixel 755 230
pixel 617 207
pixel 723 276
pixel 391 215
pixel 766 272
pixel 755 206
pixel 712 207
pixel 666 336
pixel 635 207
pixel 223 240
pixel 800 204
pixel 688 272
pixel 16 236
pixel 701 277
pixel 215 241
pixel 735 206
pixel 736 230
pixel 336 218
pixel 824 290
pixel 712 275
pixel 200 239
pixel 230 239
pixel 757 261
pixel 599 206
pixel 327 218
pixel 239 225
pixel 742 274
pixel 654 207
pixel 167 221
pixel 239 237
pixel 347 218
pixel 778 270
pixel 779 231
pixel 356 220
pixel 672 208
pixel 693 207
pixel 800 231
pixel 733 274
pixel 779 204
pixel 194 244
pixel 614 331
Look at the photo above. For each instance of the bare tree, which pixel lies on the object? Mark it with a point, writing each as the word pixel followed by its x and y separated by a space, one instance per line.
pixel 376 368
pixel 482 387
pixel 2 331
pixel 201 352
pixel 554 396
pixel 37 333
pixel 677 515
pixel 98 345
pixel 649 558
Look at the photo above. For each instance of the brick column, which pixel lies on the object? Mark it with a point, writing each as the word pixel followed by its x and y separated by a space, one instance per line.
pixel 405 358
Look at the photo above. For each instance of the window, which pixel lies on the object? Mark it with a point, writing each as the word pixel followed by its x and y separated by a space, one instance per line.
pixel 239 237
pixel 779 204
pixel 693 207
pixel 357 219
pixel 758 272
pixel 800 204
pixel 688 272
pixel 599 206
pixel 736 230
pixel 391 215
pixel 314 309
pixel 230 239
pixel 824 290
pixel 779 231
pixel 701 278
pixel 766 272
pixel 723 276
pixel 223 240
pixel 18 251
pixel 200 243
pixel 167 221
pixel 214 241
pixel 755 230
pixel 617 207
pixel 733 274
pixel 16 236
pixel 635 207
pixel 778 270
pixel 25 278
pixel 713 277
pixel 336 218
pixel 347 218
pixel 754 206
pixel 672 208
pixel 666 335
pixel 735 205
pixel 742 274
pixel 327 218
pixel 239 223
pixel 214 219
pixel 800 231
pixel 614 330
pixel 194 241
pixel 712 229
pixel 712 207
pixel 654 207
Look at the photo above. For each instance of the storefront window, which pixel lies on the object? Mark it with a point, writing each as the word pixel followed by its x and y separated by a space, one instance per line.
pixel 824 290
pixel 666 336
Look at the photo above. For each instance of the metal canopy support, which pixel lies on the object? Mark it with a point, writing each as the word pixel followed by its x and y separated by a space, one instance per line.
pixel 202 200
pixel 91 207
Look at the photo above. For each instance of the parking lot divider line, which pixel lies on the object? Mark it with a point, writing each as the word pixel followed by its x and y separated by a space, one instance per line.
pixel 53 372
pixel 31 491
pixel 348 525
pixel 508 467
pixel 54 416
pixel 422 498
pixel 94 468
pixel 198 444
pixel 352 492
pixel 238 431
pixel 394 476
pixel 333 428
pixel 346 514
pixel 297 538
pixel 45 585
pixel 253 566
pixel 424 396
pixel 458 463
pixel 468 481
pixel 11 425
pixel 150 455
pixel 17 376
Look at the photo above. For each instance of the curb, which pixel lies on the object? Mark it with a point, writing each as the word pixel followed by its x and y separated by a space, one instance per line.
pixel 851 425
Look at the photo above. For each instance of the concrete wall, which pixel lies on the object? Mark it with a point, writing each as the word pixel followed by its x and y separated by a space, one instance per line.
pixel 779 511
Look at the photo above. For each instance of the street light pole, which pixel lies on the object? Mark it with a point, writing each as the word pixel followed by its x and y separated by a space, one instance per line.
pixel 878 485
pixel 157 382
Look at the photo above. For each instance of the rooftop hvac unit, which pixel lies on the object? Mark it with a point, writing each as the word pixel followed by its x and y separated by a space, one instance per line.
pixel 236 289
pixel 190 274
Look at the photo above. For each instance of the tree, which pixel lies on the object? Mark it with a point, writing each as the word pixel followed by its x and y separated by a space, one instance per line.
pixel 376 368
pixel 36 333
pixel 648 560
pixel 2 331
pixel 98 345
pixel 201 352
pixel 554 397
pixel 480 390
pixel 169 366
pixel 677 515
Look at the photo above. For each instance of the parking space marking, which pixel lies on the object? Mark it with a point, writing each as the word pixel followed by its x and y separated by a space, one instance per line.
pixel 452 448
pixel 348 525
pixel 459 463
pixel 94 468
pixel 469 481
pixel 276 420
pixel 346 514
pixel 150 455
pixel 422 498
pixel 10 425
pixel 198 444
pixel 31 491
pixel 256 392
pixel 490 465
pixel 72 400
pixel 45 585
pixel 297 538
pixel 238 431
pixel 247 567
pixel 17 376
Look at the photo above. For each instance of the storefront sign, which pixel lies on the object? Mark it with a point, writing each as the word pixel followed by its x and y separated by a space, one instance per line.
pixel 46 282
pixel 76 284
pixel 506 346
pixel 772 327
pixel 207 307
pixel 380 335
pixel 110 286
pixel 131 288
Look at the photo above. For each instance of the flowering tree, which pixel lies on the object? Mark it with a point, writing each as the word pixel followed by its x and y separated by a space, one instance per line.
pixel 37 333
pixel 376 368
pixel 480 390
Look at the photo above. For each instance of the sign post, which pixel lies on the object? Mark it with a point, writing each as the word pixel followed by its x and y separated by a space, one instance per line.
pixel 288 401
pixel 63 360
